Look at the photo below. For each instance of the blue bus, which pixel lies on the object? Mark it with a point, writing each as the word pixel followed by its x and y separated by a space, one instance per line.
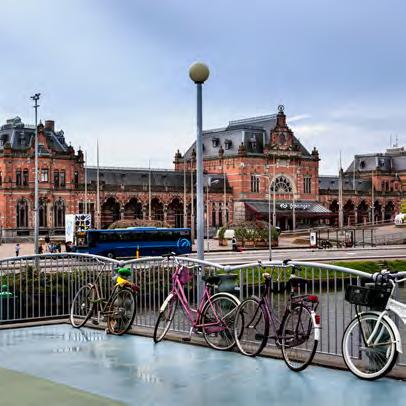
pixel 125 242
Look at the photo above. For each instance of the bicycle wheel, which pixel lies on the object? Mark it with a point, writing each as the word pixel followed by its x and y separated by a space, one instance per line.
pixel 369 362
pixel 121 311
pixel 251 327
pixel 165 318
pixel 82 305
pixel 297 339
pixel 217 321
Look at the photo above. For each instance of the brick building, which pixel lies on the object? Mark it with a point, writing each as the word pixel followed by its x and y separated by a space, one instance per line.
pixel 241 162
pixel 259 152
pixel 373 187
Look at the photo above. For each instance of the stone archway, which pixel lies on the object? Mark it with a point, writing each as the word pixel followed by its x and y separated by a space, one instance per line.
pixel 133 209
pixel 157 210
pixel 349 214
pixel 175 213
pixel 110 212
pixel 363 211
pixel 377 211
pixel 389 210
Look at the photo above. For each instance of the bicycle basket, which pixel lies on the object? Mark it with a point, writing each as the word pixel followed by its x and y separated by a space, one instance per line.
pixel 375 297
pixel 185 275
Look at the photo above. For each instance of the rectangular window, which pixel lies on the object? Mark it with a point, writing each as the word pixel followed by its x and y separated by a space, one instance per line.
pixel 44 175
pixel 62 178
pixel 18 178
pixel 56 179
pixel 76 179
pixel 25 177
pixel 307 185
pixel 254 184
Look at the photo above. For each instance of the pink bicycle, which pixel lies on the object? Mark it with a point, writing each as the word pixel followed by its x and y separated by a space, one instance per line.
pixel 214 317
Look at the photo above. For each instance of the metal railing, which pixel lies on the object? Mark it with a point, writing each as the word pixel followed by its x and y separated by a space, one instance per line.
pixel 43 287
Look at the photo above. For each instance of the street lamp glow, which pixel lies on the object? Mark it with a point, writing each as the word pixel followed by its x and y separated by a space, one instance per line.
pixel 199 72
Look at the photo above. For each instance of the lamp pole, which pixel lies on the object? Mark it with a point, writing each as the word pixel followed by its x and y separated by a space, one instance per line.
pixel 199 73
pixel 209 183
pixel 36 187
pixel 269 214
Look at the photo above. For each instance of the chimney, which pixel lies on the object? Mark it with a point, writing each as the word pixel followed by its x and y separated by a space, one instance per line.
pixel 50 125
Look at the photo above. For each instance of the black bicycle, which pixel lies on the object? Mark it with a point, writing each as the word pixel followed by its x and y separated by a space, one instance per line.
pixel 296 334
pixel 118 310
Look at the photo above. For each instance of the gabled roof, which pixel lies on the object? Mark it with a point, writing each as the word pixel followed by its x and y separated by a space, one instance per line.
pixel 253 132
pixel 21 137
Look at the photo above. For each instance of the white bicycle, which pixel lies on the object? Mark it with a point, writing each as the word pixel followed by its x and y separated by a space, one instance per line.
pixel 371 342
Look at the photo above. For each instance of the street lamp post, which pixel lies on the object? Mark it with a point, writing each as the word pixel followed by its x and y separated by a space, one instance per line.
pixel 269 213
pixel 209 183
pixel 36 187
pixel 199 73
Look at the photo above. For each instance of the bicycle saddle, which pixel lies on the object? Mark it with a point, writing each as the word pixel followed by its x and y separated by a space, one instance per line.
pixel 212 280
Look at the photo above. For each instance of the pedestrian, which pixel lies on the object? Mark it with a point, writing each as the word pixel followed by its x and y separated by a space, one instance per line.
pixel 17 249
pixel 234 244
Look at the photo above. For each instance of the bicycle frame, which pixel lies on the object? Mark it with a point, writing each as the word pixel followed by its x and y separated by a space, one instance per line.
pixel 292 300
pixel 396 307
pixel 193 314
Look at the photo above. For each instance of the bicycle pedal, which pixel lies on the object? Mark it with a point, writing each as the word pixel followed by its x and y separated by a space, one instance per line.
pixel 186 339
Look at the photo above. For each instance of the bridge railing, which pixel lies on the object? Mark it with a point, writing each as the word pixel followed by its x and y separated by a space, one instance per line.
pixel 43 287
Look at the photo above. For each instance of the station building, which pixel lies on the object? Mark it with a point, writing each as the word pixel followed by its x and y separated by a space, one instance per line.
pixel 247 164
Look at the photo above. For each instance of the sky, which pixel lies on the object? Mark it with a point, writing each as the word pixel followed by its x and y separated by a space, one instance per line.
pixel 117 71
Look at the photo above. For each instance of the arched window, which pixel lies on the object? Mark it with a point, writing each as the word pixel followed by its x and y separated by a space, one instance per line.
pixel 42 213
pixel 59 213
pixel 22 214
pixel 281 185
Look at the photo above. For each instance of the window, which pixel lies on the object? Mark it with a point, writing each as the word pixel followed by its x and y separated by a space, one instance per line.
pixel 220 215
pixel 59 213
pixel 62 178
pixel 18 178
pixel 44 175
pixel 22 214
pixel 25 177
pixel 1 179
pixel 213 215
pixel 281 185
pixel 228 144
pixel 56 178
pixel 307 184
pixel 254 184
pixel 76 179
pixel 215 142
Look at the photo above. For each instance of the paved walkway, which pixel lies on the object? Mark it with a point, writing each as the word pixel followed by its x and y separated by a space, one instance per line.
pixel 133 370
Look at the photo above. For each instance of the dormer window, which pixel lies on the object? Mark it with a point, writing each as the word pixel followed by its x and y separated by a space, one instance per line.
pixel 215 142
pixel 362 164
pixel 22 139
pixel 228 144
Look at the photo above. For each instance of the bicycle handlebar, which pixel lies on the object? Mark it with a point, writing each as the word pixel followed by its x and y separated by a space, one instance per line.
pixel 385 275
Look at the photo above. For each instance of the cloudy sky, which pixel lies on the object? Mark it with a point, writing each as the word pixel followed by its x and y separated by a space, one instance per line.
pixel 117 71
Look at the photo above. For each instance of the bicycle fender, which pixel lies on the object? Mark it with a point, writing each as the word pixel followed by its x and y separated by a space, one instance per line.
pixel 392 324
pixel 165 303
pixel 316 326
pixel 226 294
